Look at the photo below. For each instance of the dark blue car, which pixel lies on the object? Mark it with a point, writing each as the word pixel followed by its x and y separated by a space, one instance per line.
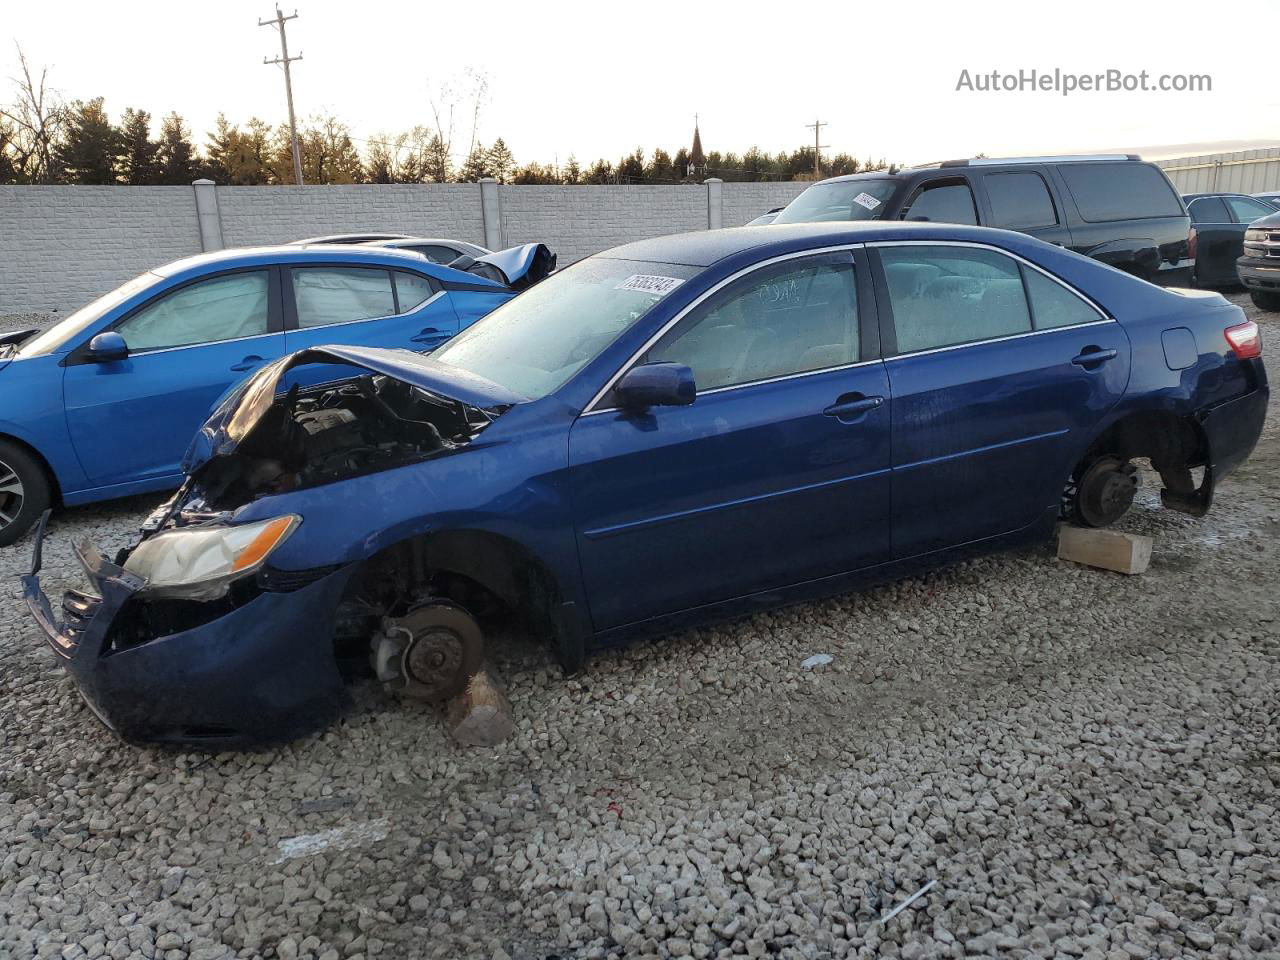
pixel 104 403
pixel 676 430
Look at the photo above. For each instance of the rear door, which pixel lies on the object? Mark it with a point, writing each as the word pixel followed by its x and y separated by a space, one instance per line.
pixel 131 420
pixel 1219 240
pixel 366 307
pixel 1022 200
pixel 776 474
pixel 999 373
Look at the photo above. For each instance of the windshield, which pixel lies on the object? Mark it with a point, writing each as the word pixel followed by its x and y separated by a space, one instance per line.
pixel 839 200
pixel 58 335
pixel 538 340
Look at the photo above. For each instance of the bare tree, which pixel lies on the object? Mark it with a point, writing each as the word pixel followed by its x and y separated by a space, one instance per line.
pixel 472 90
pixel 36 121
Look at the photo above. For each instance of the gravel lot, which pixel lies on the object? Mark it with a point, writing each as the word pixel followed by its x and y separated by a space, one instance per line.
pixel 1087 764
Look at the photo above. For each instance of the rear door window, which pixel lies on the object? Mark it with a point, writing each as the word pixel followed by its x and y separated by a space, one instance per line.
pixel 1120 190
pixel 413 290
pixel 1020 201
pixel 1208 210
pixel 326 295
pixel 1247 209
pixel 946 202
pixel 942 296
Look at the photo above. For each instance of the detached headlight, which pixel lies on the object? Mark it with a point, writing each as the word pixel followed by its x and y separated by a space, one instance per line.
pixel 199 563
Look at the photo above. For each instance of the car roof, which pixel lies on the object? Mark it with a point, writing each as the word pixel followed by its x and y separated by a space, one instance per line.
pixel 1188 197
pixel 399 242
pixel 315 253
pixel 703 248
pixel 350 237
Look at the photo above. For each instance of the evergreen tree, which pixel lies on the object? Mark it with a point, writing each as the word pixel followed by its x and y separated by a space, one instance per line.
pixel 601 172
pixel 500 161
pixel 177 157
pixel 437 167
pixel 572 173
pixel 681 164
pixel 138 163
pixel 90 146
pixel 631 167
pixel 476 166
pixel 660 169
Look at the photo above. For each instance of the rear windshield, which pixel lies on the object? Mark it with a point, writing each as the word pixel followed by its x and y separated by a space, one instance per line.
pixel 839 200
pixel 1120 191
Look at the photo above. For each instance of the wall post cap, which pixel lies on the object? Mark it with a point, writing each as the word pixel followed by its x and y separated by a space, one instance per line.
pixel 202 182
pixel 713 180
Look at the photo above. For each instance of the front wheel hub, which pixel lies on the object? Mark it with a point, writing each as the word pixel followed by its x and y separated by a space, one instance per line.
pixel 430 653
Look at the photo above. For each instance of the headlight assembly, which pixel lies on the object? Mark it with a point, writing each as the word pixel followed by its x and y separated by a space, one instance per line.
pixel 200 563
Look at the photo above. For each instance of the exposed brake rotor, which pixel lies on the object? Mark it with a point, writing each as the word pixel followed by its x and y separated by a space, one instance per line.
pixel 430 653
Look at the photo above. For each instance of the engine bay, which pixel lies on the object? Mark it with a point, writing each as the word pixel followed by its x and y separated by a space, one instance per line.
pixel 318 435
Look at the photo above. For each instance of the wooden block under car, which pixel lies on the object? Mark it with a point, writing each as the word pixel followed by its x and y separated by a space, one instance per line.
pixel 1123 552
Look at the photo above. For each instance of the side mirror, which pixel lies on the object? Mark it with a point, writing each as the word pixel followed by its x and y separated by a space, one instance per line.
pixel 655 385
pixel 107 347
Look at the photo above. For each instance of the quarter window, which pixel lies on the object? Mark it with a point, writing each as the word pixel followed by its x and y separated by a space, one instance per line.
pixel 950 202
pixel 220 308
pixel 326 295
pixel 412 290
pixel 790 318
pixel 1020 201
pixel 943 296
pixel 1053 305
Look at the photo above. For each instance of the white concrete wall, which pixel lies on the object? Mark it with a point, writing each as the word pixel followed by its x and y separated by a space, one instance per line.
pixel 1245 171
pixel 62 246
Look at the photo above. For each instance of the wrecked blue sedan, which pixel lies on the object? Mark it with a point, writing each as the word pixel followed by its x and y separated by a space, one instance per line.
pixel 103 403
pixel 678 430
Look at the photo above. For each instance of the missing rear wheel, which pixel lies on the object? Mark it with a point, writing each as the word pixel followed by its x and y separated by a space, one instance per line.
pixel 1102 493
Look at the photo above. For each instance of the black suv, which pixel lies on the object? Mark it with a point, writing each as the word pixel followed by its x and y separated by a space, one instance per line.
pixel 1259 268
pixel 1116 209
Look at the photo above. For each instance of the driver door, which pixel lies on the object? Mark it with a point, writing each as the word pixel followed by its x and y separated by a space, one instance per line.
pixel 131 420
pixel 776 474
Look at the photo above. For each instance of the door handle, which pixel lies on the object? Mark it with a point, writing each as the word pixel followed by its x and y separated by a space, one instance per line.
pixel 1093 357
pixel 429 335
pixel 248 363
pixel 852 407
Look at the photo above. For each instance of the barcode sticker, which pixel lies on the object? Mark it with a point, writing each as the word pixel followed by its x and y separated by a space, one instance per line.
pixel 866 200
pixel 648 283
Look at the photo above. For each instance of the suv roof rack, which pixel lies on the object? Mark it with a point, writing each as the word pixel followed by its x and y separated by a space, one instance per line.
pixel 1076 158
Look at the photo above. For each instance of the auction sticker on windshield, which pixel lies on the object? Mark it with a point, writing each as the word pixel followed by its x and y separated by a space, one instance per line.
pixel 650 283
pixel 866 200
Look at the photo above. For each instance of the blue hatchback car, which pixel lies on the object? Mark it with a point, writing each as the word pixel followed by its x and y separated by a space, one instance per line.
pixel 104 403
pixel 673 431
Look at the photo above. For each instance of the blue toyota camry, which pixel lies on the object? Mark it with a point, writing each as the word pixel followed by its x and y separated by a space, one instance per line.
pixel 104 403
pixel 676 430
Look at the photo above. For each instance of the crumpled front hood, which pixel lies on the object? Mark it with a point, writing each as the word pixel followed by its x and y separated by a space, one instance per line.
pixel 241 409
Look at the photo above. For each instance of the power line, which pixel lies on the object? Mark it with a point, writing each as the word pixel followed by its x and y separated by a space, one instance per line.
pixel 284 60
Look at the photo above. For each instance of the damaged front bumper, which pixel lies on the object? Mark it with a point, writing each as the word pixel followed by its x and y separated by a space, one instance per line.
pixel 262 670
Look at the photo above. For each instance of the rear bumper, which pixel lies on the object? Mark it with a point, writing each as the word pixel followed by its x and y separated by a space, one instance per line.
pixel 1233 428
pixel 1259 274
pixel 263 671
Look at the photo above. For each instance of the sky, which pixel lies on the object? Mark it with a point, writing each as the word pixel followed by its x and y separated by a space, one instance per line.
pixel 595 80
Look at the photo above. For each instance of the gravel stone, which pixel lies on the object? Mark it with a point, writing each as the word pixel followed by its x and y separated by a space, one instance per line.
pixel 1088 765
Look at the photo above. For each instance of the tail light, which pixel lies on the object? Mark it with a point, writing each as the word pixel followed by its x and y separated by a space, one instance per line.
pixel 1191 243
pixel 1245 340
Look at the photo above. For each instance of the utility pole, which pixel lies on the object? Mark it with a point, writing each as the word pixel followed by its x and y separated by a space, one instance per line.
pixel 818 146
pixel 284 60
